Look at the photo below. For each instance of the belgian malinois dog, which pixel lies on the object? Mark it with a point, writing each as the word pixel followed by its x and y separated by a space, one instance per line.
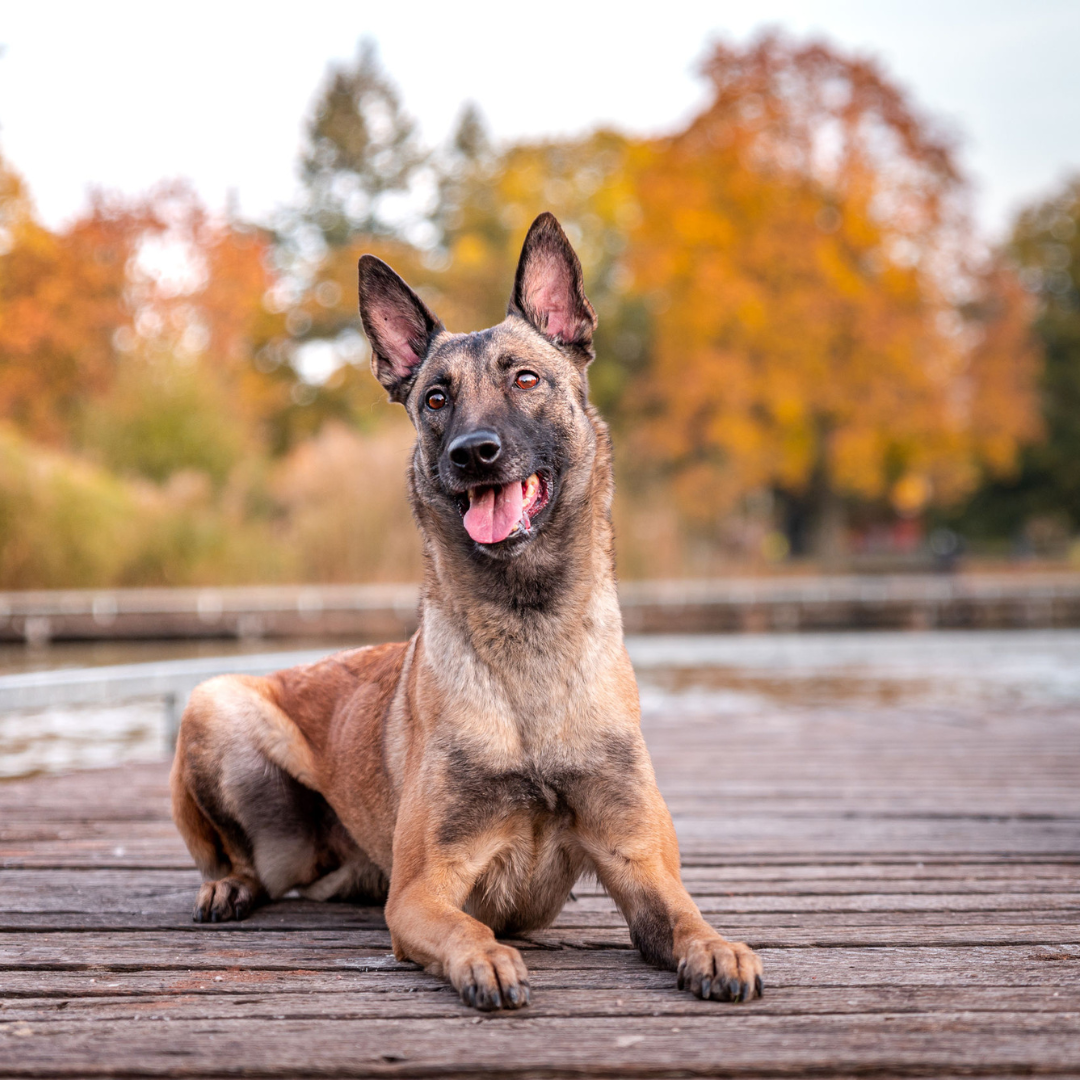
pixel 469 776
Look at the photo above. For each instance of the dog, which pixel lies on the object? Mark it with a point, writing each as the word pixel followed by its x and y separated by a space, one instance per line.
pixel 468 777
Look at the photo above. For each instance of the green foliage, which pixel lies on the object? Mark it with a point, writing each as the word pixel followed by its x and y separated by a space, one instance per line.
pixel 166 417
pixel 62 522
pixel 1045 246
pixel 361 148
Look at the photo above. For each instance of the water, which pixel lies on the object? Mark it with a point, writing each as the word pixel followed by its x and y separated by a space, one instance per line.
pixel 950 677
pixel 961 669
pixel 59 740
pixel 62 739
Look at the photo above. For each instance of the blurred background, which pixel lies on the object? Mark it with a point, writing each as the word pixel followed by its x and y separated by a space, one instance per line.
pixel 837 329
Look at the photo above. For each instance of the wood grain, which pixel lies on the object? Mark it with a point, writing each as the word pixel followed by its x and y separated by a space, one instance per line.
pixel 910 874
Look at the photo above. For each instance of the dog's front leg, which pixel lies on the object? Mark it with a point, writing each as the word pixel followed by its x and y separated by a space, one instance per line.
pixel 428 888
pixel 637 860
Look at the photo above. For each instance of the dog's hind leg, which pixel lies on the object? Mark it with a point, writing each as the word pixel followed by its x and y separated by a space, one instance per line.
pixel 202 839
pixel 254 830
pixel 230 890
pixel 218 842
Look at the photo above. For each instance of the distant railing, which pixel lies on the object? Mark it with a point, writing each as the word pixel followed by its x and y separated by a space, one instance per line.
pixel 856 601
pixel 389 612
pixel 371 611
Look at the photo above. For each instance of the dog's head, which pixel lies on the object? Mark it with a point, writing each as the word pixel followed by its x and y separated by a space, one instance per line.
pixel 501 415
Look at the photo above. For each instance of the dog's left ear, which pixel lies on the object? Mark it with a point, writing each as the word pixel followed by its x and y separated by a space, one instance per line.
pixel 548 288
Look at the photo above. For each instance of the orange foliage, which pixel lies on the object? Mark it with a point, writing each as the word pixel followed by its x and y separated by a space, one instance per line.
pixel 232 307
pixel 63 296
pixel 791 300
pixel 803 248
pixel 154 281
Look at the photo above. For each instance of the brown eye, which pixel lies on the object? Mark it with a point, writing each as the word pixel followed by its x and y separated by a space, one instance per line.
pixel 436 399
pixel 526 380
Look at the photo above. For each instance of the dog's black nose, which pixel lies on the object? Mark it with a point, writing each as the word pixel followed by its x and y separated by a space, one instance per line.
pixel 476 449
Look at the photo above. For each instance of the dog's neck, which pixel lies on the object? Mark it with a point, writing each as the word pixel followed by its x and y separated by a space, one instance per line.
pixel 560 586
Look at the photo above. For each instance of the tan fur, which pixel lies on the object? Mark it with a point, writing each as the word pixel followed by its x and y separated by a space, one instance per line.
pixel 469 776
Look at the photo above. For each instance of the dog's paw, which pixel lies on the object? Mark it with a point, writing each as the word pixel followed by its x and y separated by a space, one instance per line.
pixel 228 898
pixel 721 970
pixel 494 977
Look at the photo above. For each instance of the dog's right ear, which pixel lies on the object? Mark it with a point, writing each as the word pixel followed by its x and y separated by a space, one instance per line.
pixel 397 323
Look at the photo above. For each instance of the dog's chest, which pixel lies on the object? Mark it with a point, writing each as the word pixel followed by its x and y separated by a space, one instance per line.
pixel 484 797
pixel 522 696
pixel 525 820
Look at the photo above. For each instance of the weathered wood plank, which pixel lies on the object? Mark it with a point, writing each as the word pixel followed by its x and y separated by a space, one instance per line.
pixel 733 1041
pixel 167 895
pixel 122 854
pixel 211 947
pixel 906 836
pixel 1056 967
pixel 554 995
pixel 885 925
pixel 780 878
pixel 814 845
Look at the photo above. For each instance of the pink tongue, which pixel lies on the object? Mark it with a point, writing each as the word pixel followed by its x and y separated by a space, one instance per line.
pixel 493 513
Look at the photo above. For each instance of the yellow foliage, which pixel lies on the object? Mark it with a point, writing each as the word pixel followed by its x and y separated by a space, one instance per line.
pixel 345 516
pixel 790 300
pixel 806 264
pixel 67 523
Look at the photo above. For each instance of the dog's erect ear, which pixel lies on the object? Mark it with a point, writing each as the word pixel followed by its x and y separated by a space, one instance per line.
pixel 397 323
pixel 548 288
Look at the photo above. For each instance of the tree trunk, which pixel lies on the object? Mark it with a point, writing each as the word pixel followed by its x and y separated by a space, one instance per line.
pixel 816 518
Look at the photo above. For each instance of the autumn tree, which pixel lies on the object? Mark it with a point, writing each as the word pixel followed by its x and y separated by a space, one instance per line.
pixel 1045 249
pixel 64 297
pixel 819 325
pixel 146 332
pixel 194 387
pixel 359 169
pixel 362 151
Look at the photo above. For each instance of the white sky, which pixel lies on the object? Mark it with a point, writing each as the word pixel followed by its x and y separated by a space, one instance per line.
pixel 123 94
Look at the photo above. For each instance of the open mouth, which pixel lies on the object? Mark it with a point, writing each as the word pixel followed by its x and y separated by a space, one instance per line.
pixel 494 514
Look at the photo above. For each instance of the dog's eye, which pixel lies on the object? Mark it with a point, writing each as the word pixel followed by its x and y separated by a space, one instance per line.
pixel 436 399
pixel 526 380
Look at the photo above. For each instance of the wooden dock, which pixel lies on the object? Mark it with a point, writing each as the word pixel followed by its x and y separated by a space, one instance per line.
pixel 910 875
